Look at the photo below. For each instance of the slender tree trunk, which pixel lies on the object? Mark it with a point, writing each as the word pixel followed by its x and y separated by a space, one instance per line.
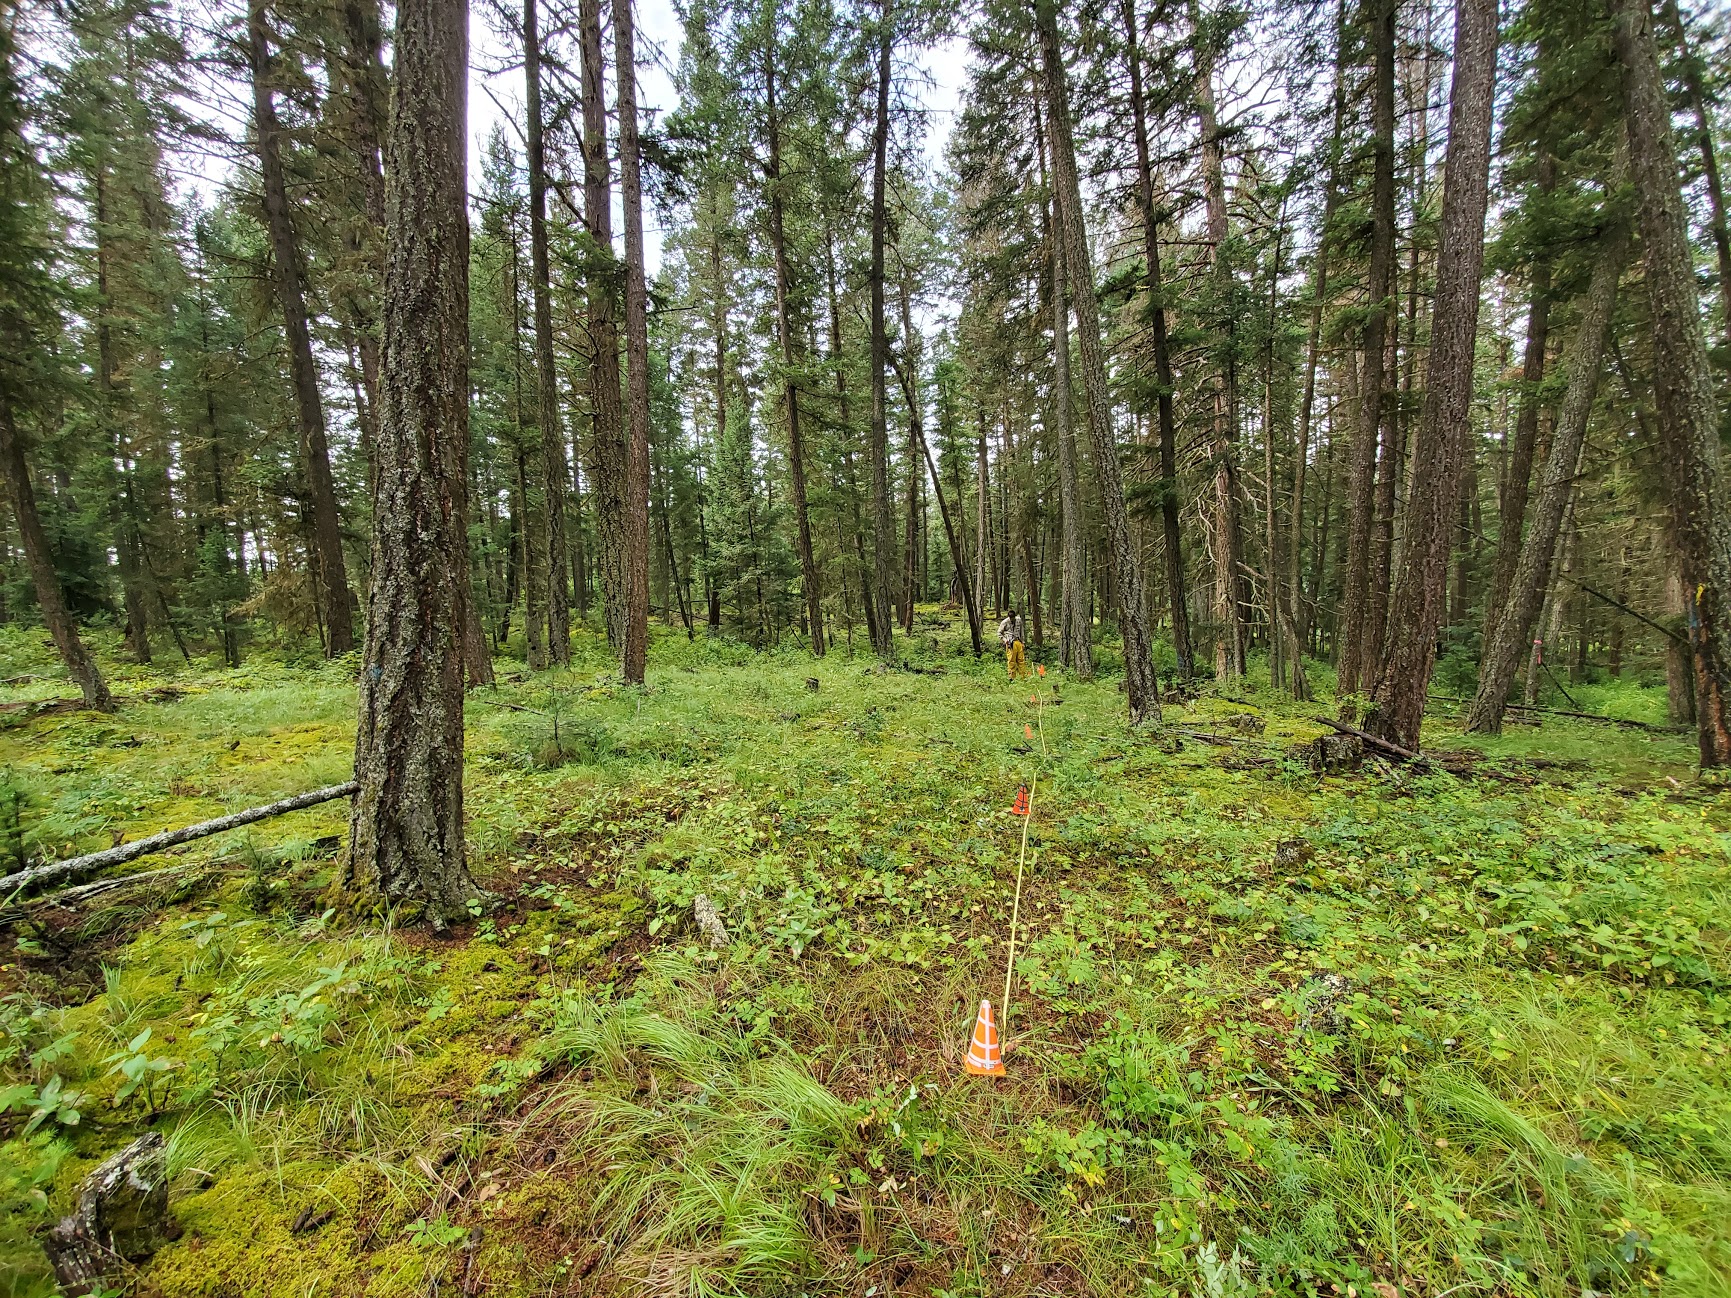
pixel 291 300
pixel 1075 644
pixel 636 627
pixel 982 518
pixel 1142 686
pixel 50 599
pixel 1416 608
pixel 883 524
pixel 609 453
pixel 1171 537
pixel 845 409
pixel 1307 403
pixel 1699 106
pixel 406 824
pixel 1230 600
pixel 1532 575
pixel 553 463
pixel 1512 503
pixel 1684 399
pixel 790 386
pixel 1357 637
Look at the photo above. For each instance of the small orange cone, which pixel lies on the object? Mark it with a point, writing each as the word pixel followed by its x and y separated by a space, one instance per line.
pixel 1021 807
pixel 983 1058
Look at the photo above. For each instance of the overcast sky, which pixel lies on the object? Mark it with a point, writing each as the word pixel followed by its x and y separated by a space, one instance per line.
pixel 658 40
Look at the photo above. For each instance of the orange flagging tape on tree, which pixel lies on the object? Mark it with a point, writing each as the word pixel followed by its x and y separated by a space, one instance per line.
pixel 984 1058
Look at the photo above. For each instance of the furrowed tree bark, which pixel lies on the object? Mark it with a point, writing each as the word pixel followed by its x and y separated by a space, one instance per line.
pixel 50 599
pixel 635 649
pixel 1531 578
pixel 883 524
pixel 1357 637
pixel 553 463
pixel 1141 683
pixel 1416 607
pixel 610 466
pixel 332 575
pixel 1178 606
pixel 1075 644
pixel 784 336
pixel 1683 394
pixel 406 824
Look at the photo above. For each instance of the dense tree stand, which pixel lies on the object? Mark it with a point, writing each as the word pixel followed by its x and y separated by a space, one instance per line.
pixel 406 828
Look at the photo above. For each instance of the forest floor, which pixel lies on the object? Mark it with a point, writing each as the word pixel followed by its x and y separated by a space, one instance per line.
pixel 1396 1032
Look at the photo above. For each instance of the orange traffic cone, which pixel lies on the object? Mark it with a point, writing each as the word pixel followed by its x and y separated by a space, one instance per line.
pixel 1021 807
pixel 983 1058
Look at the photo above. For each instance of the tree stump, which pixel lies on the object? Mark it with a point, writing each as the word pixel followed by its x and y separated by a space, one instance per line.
pixel 1330 753
pixel 122 1216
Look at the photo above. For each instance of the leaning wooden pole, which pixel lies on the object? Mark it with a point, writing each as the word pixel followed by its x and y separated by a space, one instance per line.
pixel 169 838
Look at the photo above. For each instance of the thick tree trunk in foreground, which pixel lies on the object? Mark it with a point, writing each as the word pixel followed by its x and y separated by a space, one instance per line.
pixel 883 525
pixel 332 574
pixel 1514 625
pixel 1416 607
pixel 553 462
pixel 610 456
pixel 1683 394
pixel 634 650
pixel 1172 539
pixel 50 599
pixel 1142 685
pixel 1360 641
pixel 406 826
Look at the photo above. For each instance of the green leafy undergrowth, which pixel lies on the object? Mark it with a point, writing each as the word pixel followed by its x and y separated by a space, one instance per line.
pixel 1390 1032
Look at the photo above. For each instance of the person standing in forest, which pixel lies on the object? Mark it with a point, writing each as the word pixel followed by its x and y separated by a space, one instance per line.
pixel 1010 636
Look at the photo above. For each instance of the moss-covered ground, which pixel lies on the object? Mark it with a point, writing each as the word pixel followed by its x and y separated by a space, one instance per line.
pixel 1393 1032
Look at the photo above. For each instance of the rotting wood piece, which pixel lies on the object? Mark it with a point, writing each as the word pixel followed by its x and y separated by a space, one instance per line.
pixel 122 1216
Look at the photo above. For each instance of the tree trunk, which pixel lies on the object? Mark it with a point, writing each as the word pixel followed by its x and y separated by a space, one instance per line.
pixel 1699 105
pixel 50 599
pixel 1683 394
pixel 609 452
pixel 1307 404
pixel 790 387
pixel 1356 635
pixel 406 826
pixel 1416 608
pixel 1142 686
pixel 553 463
pixel 1171 538
pixel 1512 503
pixel 883 524
pixel 1075 644
pixel 1532 576
pixel 1230 599
pixel 636 640
pixel 333 581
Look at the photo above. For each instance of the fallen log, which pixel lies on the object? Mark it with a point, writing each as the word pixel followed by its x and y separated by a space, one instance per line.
pixel 12 883
pixel 1385 745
